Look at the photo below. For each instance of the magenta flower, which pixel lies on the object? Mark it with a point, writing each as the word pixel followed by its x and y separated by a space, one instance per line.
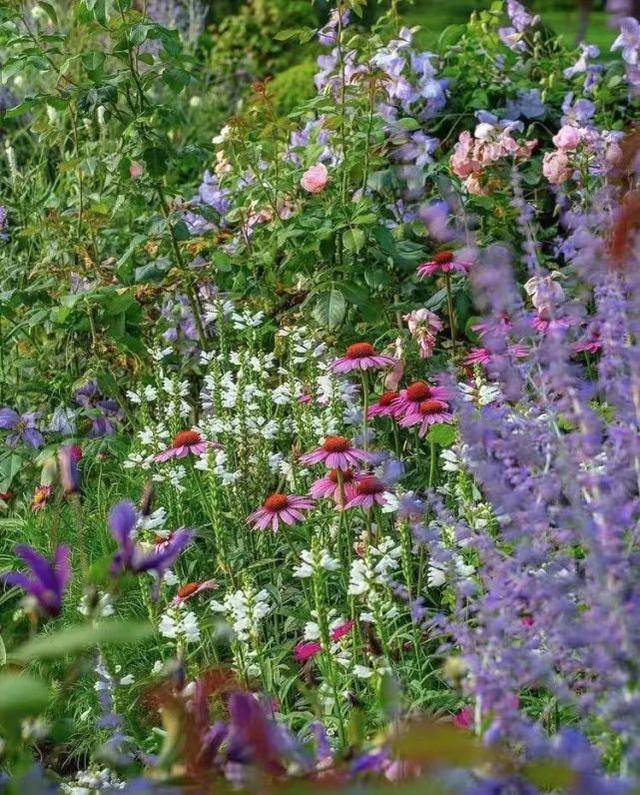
pixel 443 262
pixel 185 443
pixel 329 486
pixel 361 356
pixel 430 412
pixel 46 580
pixel 23 427
pixel 478 356
pixel 409 400
pixel 336 453
pixel 279 508
pixel 305 651
pixel 369 492
pixel 384 406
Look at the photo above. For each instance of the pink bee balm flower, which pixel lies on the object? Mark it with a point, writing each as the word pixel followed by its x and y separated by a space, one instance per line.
pixel 315 179
pixel 336 453
pixel 431 412
pixel 443 262
pixel 277 508
pixel 384 406
pixel 361 356
pixel 329 486
pixel 305 651
pixel 409 399
pixel 370 491
pixel 185 443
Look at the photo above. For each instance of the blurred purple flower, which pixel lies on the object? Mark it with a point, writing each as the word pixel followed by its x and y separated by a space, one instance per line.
pixel 46 581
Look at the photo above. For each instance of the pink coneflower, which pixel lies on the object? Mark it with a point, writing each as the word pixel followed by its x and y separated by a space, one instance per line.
pixel 370 491
pixel 329 486
pixel 431 412
pixel 409 399
pixel 185 443
pixel 383 408
pixel 305 651
pixel 543 323
pixel 478 356
pixel 279 507
pixel 361 356
pixel 443 262
pixel 192 589
pixel 336 453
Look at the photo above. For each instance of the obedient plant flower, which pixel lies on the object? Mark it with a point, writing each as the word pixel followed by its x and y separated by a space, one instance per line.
pixel 305 651
pixel 409 400
pixel 384 405
pixel 370 491
pixel 315 179
pixel 185 443
pixel 46 580
pixel 329 486
pixel 361 356
pixel 430 412
pixel 278 508
pixel 131 556
pixel 443 262
pixel 336 453
pixel 23 427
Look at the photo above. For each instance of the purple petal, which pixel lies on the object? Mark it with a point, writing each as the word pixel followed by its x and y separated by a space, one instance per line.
pixel 32 437
pixel 39 565
pixel 122 520
pixel 8 418
pixel 62 563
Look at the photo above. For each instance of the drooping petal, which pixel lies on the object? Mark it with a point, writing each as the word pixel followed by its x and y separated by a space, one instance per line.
pixel 8 418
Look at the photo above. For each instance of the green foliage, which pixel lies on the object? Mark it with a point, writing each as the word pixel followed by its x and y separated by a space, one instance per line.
pixel 294 86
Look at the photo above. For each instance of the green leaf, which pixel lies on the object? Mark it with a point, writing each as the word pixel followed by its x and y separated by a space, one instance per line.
pixel 353 240
pixel 75 640
pixel 21 694
pixel 3 653
pixel 442 434
pixel 409 124
pixel 288 33
pixel 49 11
pixel 330 309
pixel 155 159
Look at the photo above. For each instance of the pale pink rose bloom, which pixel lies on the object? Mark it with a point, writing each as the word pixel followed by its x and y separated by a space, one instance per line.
pixel 315 179
pixel 568 138
pixel 136 170
pixel 555 167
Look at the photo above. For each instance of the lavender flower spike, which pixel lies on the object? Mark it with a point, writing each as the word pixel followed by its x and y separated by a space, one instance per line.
pixel 130 555
pixel 46 581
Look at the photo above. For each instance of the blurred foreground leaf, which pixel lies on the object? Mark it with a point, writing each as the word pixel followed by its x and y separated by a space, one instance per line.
pixel 80 638
pixel 440 744
pixel 20 695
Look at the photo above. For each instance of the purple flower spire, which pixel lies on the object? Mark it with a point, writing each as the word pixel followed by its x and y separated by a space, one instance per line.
pixel 130 555
pixel 23 427
pixel 46 581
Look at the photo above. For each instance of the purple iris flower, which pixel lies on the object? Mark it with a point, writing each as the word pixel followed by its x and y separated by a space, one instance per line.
pixel 130 555
pixel 23 427
pixel 104 423
pixel 46 581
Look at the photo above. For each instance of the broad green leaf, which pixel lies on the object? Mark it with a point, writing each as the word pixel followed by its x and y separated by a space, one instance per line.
pixel 442 434
pixel 75 640
pixel 49 11
pixel 330 309
pixel 353 240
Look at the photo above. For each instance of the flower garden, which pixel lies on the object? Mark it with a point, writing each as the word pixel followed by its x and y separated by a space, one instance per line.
pixel 319 401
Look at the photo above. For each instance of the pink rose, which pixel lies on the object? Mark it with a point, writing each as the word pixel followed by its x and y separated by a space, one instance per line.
pixel 315 179
pixel 136 170
pixel 555 167
pixel 568 138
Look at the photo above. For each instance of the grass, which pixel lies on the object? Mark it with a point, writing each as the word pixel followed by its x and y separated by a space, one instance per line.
pixel 435 15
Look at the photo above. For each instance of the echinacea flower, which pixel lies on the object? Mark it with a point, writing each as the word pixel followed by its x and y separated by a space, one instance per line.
pixel 46 580
pixel 383 407
pixel 336 453
pixel 191 589
pixel 23 427
pixel 443 262
pixel 329 486
pixel 184 443
pixel 430 412
pixel 132 556
pixel 369 492
pixel 40 498
pixel 278 508
pixel 361 356
pixel 409 399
